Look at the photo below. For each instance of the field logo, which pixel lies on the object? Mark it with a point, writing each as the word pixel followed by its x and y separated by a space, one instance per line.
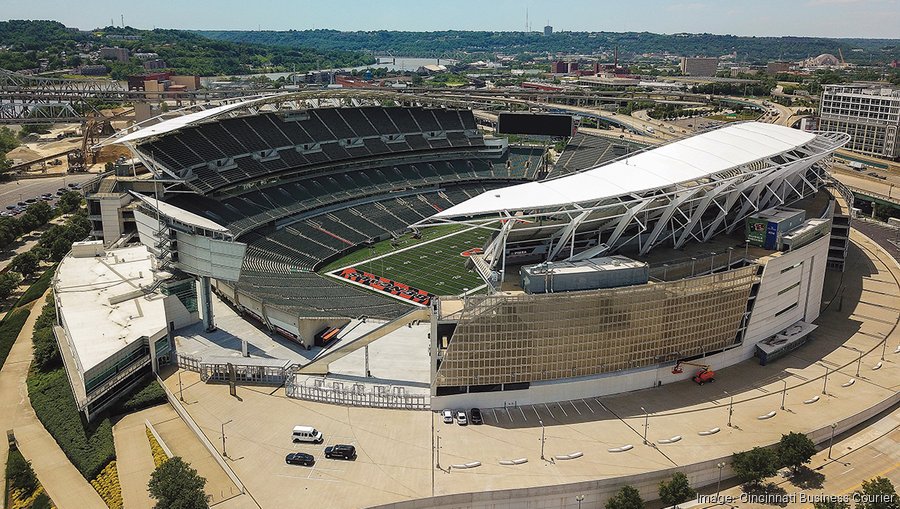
pixel 470 252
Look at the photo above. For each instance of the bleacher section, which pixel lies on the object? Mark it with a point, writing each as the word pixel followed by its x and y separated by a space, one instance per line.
pixel 304 188
pixel 251 209
pixel 278 267
pixel 584 151
pixel 229 151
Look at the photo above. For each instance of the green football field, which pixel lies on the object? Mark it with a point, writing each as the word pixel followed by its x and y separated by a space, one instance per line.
pixel 437 267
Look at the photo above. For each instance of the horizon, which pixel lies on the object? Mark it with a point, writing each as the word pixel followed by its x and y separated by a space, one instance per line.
pixel 832 19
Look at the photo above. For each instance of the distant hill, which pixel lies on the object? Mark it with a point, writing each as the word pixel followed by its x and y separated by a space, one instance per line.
pixel 452 43
pixel 23 44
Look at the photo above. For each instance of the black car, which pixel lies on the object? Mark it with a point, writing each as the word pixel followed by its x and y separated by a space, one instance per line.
pixel 299 458
pixel 341 451
pixel 475 416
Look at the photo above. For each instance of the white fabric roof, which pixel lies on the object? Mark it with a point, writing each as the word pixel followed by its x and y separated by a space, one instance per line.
pixel 682 161
pixel 181 215
pixel 176 123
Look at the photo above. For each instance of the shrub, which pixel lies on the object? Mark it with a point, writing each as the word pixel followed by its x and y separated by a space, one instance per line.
pixel 89 447
pixel 24 263
pixel 107 485
pixel 19 473
pixel 46 351
pixel 159 455
pixel 150 393
pixel 877 493
pixel 10 328
pixel 42 501
pixel 9 281
pixel 37 288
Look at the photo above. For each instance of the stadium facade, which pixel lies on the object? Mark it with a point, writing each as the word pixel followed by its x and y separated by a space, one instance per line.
pixel 252 200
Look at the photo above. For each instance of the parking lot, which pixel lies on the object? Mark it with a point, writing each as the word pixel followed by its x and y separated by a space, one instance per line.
pixel 13 192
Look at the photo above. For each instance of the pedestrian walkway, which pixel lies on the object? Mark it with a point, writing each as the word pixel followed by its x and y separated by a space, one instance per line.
pixel 64 484
pixel 134 458
pixel 184 443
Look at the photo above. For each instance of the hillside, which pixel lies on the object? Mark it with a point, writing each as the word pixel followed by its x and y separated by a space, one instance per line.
pixel 451 43
pixel 23 44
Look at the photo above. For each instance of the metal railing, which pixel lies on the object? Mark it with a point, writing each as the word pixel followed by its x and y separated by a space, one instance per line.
pixel 356 394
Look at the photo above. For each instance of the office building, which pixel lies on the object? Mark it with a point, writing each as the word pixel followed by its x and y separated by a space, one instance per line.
pixel 699 66
pixel 868 112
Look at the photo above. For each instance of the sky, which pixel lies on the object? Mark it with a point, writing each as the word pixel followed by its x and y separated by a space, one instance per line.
pixel 827 18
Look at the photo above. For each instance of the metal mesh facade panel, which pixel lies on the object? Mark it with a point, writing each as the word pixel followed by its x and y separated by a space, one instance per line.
pixel 528 338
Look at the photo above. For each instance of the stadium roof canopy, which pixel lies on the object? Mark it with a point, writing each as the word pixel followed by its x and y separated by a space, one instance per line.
pixel 181 215
pixel 683 161
pixel 173 124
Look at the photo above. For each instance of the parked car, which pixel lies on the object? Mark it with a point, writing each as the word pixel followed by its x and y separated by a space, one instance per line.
pixel 461 418
pixel 447 414
pixel 73 186
pixel 300 458
pixel 307 434
pixel 10 207
pixel 475 416
pixel 22 204
pixel 60 192
pixel 31 200
pixel 341 451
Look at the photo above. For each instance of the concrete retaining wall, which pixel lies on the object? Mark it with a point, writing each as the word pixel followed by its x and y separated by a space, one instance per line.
pixel 597 492
pixel 186 417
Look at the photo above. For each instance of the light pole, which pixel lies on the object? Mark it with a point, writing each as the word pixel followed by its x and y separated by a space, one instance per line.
pixel 825 384
pixel 783 393
pixel 719 484
pixel 180 393
pixel 883 347
pixel 542 438
pixel 438 450
pixel 646 423
pixel 858 363
pixel 831 440
pixel 730 408
pixel 579 498
pixel 223 437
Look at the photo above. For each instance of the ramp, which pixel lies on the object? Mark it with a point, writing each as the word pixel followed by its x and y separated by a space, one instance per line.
pixel 319 366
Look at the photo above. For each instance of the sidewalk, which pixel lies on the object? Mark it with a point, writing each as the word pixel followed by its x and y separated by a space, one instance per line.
pixel 64 484
pixel 134 459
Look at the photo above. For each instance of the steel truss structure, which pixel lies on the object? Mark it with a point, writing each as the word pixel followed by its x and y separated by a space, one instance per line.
pixel 674 214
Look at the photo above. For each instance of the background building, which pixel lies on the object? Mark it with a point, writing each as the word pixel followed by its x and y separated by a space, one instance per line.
pixel 869 113
pixel 777 67
pixel 699 66
pixel 548 30
pixel 118 54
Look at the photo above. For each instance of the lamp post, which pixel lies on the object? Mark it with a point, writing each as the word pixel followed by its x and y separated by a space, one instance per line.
pixel 825 384
pixel 180 393
pixel 223 437
pixel 579 498
pixel 693 263
pixel 542 438
pixel 883 347
pixel 831 440
pixel 438 450
pixel 719 484
pixel 730 408
pixel 858 363
pixel 646 424
pixel 783 393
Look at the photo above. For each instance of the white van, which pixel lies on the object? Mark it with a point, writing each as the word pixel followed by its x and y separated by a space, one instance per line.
pixel 307 434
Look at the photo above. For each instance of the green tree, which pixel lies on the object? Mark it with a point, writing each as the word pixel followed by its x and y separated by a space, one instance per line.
pixel 175 485
pixel 878 493
pixel 676 490
pixel 794 450
pixel 754 465
pixel 627 497
pixel 70 201
pixel 831 504
pixel 24 263
pixel 8 283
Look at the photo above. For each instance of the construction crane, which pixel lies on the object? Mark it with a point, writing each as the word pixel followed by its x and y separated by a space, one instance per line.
pixel 705 374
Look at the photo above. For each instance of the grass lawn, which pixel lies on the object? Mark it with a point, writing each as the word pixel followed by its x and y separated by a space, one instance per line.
pixel 384 247
pixel 436 267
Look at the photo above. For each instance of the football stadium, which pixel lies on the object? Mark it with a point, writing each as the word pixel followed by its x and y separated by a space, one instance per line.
pixel 275 241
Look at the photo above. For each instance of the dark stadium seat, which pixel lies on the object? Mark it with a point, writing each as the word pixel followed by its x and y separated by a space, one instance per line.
pixel 404 120
pixel 335 123
pixel 357 121
pixel 380 120
pixel 426 120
